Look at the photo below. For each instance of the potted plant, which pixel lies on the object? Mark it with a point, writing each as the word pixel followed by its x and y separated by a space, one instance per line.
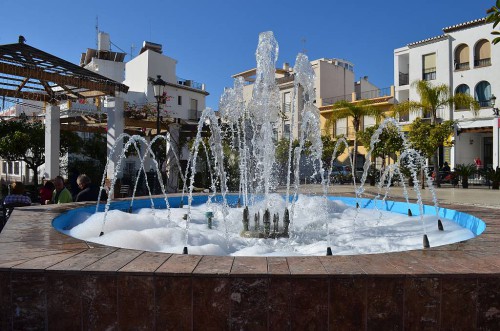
pixel 465 171
pixel 494 177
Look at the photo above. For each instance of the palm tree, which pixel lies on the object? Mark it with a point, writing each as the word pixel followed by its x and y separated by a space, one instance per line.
pixel 433 98
pixel 356 111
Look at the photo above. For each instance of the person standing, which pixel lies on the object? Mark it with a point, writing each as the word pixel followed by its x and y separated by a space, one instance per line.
pixel 61 193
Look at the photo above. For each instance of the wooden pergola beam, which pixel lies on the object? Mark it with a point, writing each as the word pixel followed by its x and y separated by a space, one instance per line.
pixel 99 88
pixel 32 95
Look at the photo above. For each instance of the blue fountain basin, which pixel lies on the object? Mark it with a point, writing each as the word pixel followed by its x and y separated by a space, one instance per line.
pixel 76 216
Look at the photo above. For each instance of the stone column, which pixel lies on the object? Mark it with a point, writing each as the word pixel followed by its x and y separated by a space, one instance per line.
pixel 116 126
pixel 496 144
pixel 52 141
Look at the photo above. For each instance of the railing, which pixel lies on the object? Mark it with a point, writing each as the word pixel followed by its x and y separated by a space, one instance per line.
pixel 429 74
pixel 404 79
pixel 189 83
pixel 462 66
pixel 484 103
pixel 193 114
pixel 382 92
pixel 482 62
pixel 331 101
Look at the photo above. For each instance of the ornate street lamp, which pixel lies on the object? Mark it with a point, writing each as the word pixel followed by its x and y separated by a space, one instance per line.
pixel 158 88
pixel 493 100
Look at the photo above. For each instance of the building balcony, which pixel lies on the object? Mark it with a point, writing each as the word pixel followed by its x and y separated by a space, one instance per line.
pixel 381 92
pixel 482 62
pixel 191 83
pixel 462 66
pixel 484 103
pixel 194 115
pixel 404 79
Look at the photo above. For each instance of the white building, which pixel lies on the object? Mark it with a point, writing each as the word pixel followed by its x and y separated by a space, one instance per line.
pixel 464 59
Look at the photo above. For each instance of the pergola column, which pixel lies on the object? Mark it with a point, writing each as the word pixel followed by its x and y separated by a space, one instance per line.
pixel 496 145
pixel 52 140
pixel 116 125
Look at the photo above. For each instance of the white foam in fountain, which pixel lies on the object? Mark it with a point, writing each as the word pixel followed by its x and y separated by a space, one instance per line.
pixel 387 232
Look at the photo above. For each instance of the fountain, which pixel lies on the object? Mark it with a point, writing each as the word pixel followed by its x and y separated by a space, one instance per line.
pixel 49 280
pixel 216 224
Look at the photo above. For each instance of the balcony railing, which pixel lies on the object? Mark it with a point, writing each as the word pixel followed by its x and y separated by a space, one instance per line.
pixel 382 92
pixel 484 103
pixel 429 74
pixel 462 66
pixel 482 62
pixel 194 114
pixel 404 79
pixel 331 101
pixel 190 83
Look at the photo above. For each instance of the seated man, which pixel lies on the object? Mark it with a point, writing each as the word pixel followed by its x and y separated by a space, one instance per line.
pixel 17 198
pixel 88 191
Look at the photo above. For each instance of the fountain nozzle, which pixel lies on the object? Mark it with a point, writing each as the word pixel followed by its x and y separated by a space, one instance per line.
pixel 426 242
pixel 328 251
pixel 101 234
pixel 440 225
pixel 185 251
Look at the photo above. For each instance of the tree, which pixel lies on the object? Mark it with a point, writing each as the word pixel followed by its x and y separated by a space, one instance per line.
pixel 494 17
pixel 433 98
pixel 23 139
pixel 426 138
pixel 390 141
pixel 356 111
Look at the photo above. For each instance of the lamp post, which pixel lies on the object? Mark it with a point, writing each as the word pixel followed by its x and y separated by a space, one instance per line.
pixel 158 88
pixel 493 100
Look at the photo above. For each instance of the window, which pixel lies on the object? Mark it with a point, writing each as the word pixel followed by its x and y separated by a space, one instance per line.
pixel 286 131
pixel 464 89
pixel 462 57
pixel 429 65
pixel 482 54
pixel 482 93
pixel 179 100
pixel 4 167
pixel 16 168
pixel 287 102
pixel 194 104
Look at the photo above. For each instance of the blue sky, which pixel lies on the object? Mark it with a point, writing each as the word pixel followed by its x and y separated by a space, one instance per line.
pixel 212 40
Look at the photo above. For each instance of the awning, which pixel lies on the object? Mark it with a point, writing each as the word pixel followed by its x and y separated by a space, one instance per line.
pixel 475 126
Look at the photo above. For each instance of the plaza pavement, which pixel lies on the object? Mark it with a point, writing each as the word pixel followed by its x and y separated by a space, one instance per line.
pixel 480 196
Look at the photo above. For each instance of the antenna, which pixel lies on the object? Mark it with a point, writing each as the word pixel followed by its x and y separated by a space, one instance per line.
pixel 132 49
pixel 303 41
pixel 97 32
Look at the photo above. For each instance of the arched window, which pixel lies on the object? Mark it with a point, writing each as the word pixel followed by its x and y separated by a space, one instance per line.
pixel 482 93
pixel 464 89
pixel 462 57
pixel 482 53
